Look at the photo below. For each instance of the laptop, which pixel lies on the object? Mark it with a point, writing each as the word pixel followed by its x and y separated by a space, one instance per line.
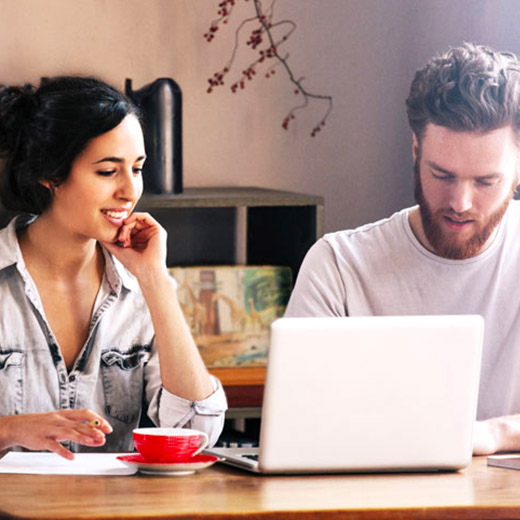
pixel 367 394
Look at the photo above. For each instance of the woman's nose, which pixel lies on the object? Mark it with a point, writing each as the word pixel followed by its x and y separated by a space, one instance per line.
pixel 130 186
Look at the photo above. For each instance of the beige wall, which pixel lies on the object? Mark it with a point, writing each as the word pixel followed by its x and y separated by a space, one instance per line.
pixel 362 52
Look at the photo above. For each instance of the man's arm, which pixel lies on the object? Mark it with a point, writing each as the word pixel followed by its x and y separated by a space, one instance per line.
pixel 319 289
pixel 497 434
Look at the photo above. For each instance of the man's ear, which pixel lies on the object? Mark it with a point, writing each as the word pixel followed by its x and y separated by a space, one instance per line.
pixel 415 147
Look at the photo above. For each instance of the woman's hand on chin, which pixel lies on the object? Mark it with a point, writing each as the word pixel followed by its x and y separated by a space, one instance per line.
pixel 140 245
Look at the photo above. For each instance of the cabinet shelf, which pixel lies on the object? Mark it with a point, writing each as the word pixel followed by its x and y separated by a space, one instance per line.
pixel 234 226
pixel 229 197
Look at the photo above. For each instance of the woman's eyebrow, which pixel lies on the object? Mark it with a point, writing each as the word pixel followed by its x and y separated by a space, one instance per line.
pixel 118 159
pixel 109 159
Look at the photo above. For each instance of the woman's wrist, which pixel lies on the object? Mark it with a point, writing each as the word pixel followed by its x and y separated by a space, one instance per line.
pixel 153 277
pixel 6 438
pixel 152 274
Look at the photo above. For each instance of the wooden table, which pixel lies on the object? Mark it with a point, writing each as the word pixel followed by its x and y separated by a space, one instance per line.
pixel 477 492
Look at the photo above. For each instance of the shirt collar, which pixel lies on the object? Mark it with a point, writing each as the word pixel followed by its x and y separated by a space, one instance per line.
pixel 10 254
pixel 117 275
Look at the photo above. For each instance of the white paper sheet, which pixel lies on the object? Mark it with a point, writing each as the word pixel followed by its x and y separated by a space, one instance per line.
pixel 45 463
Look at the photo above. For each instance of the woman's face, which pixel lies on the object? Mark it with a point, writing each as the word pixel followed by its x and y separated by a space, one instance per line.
pixel 104 184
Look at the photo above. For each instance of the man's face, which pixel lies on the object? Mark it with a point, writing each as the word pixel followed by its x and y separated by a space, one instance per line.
pixel 463 184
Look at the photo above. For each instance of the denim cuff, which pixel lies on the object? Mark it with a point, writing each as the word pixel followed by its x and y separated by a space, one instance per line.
pixel 206 415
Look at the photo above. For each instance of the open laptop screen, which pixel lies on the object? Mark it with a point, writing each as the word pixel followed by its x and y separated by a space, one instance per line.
pixel 370 393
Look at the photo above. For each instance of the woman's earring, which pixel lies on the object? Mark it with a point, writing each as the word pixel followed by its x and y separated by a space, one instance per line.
pixel 49 185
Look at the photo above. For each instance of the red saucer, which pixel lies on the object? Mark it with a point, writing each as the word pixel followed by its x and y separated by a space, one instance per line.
pixel 184 467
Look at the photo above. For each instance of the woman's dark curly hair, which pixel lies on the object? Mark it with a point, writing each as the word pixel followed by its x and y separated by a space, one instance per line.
pixel 42 131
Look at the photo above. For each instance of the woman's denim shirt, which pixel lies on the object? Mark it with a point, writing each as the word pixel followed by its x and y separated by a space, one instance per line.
pixel 115 374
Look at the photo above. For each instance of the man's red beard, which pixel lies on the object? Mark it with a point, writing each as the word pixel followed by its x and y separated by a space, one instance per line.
pixel 452 247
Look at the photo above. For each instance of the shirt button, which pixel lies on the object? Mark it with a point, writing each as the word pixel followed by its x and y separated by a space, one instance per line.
pixel 72 378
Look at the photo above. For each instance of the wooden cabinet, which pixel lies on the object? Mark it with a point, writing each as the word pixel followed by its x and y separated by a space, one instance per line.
pixel 254 226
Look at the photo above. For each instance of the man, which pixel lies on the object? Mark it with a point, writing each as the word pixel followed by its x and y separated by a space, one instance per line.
pixel 458 251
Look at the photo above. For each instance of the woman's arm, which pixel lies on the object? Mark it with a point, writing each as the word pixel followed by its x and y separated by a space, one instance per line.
pixel 183 372
pixel 141 248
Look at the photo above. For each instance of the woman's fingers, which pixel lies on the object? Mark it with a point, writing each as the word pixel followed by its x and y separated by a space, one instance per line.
pixel 141 218
pixel 132 224
pixel 85 419
pixel 83 427
pixel 59 449
pixel 137 226
pixel 79 434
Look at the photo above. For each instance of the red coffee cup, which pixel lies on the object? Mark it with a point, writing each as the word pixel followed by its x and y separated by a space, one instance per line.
pixel 169 444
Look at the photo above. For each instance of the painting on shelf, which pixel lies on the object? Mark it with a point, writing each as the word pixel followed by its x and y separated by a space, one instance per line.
pixel 230 308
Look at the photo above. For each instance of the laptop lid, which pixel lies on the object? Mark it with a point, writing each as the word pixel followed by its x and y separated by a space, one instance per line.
pixel 370 394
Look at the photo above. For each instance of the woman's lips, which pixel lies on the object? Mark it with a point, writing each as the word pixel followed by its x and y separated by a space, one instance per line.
pixel 115 217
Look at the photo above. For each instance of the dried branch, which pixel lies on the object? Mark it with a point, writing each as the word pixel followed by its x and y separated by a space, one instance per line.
pixel 263 31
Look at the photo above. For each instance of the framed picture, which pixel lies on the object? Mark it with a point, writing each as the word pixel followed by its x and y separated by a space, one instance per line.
pixel 230 308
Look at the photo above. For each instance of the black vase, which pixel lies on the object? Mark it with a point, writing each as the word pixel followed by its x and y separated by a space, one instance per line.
pixel 161 106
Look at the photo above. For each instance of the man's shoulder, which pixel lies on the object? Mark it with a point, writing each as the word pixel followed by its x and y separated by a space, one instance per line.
pixel 387 227
pixel 510 224
pixel 514 208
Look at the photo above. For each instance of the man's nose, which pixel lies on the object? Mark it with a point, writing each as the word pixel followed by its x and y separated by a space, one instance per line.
pixel 461 197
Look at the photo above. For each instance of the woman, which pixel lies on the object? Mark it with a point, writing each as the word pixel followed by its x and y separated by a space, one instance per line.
pixel 90 323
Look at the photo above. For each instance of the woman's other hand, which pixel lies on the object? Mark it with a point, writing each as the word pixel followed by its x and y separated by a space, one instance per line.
pixel 46 431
